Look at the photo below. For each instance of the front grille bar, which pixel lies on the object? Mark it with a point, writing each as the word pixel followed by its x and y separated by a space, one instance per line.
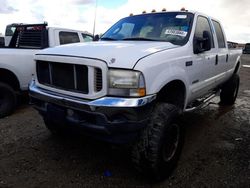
pixel 75 78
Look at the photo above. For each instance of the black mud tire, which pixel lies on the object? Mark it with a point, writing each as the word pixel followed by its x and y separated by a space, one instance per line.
pixel 8 100
pixel 229 91
pixel 157 151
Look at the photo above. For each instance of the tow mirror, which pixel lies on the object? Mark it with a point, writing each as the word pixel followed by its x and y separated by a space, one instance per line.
pixel 202 44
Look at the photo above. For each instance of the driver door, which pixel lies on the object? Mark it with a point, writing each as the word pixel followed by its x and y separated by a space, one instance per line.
pixel 201 73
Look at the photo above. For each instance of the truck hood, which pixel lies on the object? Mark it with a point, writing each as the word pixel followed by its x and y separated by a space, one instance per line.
pixel 122 54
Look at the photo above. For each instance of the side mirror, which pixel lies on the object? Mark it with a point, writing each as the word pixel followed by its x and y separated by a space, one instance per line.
pixel 96 38
pixel 202 44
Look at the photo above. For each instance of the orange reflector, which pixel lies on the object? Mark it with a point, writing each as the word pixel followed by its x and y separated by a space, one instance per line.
pixel 141 92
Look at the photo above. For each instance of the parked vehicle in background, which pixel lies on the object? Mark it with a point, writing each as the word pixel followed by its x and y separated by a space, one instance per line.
pixel 133 84
pixel 16 57
pixel 246 49
pixel 10 30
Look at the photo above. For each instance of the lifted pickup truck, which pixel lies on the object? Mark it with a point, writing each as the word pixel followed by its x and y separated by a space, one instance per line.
pixel 133 84
pixel 17 59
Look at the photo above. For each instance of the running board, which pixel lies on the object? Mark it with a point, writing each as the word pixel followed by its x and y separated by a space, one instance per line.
pixel 202 103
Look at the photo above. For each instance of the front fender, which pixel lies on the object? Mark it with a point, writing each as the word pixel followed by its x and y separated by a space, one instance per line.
pixel 163 67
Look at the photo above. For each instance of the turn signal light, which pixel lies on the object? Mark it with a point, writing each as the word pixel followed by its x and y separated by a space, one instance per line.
pixel 141 92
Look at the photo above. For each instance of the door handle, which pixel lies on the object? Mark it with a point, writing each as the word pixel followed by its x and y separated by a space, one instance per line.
pixel 216 59
pixel 226 58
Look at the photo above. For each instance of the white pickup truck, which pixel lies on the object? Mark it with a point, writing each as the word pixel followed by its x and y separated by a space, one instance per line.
pixel 132 85
pixel 17 59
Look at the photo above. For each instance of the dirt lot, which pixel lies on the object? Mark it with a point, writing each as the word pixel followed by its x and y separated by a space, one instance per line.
pixel 216 152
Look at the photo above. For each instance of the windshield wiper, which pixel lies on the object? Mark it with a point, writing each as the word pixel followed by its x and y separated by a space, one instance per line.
pixel 139 38
pixel 107 38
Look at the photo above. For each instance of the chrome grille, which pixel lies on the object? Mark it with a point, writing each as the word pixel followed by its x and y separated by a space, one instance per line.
pixel 65 76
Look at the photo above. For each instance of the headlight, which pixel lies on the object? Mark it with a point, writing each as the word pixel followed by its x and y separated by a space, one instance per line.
pixel 126 83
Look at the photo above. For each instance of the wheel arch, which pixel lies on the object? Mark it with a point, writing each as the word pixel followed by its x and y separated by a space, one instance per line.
pixel 8 77
pixel 237 67
pixel 173 92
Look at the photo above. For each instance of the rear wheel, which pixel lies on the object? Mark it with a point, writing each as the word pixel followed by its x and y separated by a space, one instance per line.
pixel 230 90
pixel 157 151
pixel 7 100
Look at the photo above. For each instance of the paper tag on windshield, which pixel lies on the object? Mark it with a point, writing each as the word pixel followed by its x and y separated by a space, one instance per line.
pixel 176 32
pixel 181 16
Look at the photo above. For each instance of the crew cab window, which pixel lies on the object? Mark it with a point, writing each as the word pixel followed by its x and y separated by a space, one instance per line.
pixel 219 34
pixel 201 26
pixel 68 37
pixel 87 38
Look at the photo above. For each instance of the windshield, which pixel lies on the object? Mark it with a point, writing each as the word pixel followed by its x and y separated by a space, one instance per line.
pixel 171 27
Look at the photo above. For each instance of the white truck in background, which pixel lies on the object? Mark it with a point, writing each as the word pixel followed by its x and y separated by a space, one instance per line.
pixel 16 57
pixel 132 85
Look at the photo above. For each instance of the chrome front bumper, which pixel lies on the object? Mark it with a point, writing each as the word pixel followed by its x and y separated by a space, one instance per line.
pixel 73 102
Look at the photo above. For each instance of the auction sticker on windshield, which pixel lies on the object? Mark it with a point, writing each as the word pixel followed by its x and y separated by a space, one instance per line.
pixel 176 32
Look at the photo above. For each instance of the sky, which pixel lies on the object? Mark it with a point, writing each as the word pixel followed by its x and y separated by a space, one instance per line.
pixel 79 14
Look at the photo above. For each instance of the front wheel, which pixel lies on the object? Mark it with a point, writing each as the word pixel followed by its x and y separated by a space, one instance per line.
pixel 157 151
pixel 230 90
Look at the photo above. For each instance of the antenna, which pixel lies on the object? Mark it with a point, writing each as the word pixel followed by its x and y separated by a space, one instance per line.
pixel 95 17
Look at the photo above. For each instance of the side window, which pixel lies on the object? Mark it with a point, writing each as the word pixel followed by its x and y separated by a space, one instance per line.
pixel 219 34
pixel 68 37
pixel 87 38
pixel 201 26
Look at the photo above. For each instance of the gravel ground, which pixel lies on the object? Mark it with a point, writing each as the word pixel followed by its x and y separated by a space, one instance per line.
pixel 216 151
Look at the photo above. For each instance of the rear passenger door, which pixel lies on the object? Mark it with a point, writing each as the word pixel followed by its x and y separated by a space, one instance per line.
pixel 222 57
